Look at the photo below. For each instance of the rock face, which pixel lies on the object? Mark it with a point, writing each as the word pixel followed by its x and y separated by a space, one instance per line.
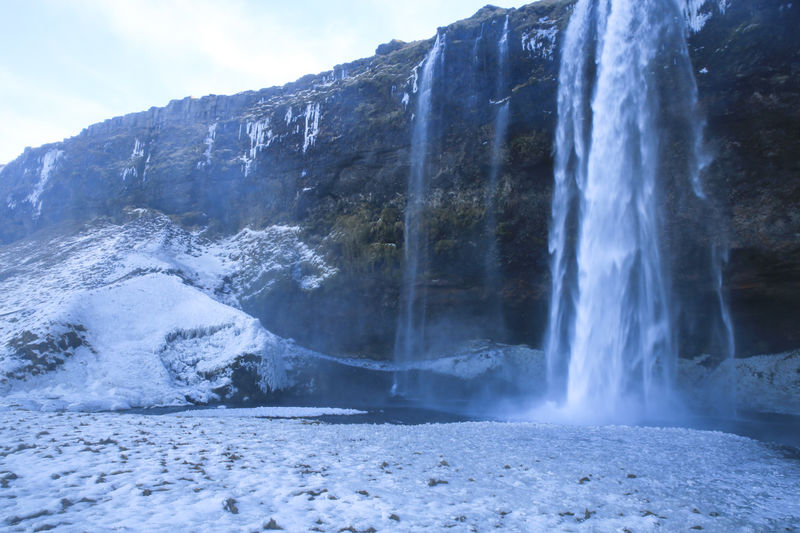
pixel 329 156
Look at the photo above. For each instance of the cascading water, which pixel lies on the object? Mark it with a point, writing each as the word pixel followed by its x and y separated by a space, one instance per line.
pixel 492 281
pixel 611 350
pixel 409 339
pixel 726 343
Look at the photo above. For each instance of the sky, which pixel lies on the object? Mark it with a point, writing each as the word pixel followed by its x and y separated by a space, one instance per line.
pixel 65 64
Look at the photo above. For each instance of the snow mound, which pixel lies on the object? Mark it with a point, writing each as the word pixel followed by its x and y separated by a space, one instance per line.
pixel 763 383
pixel 142 313
pixel 770 383
pixel 150 340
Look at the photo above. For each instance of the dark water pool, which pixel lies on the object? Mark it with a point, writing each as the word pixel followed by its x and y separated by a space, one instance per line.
pixel 766 427
pixel 775 428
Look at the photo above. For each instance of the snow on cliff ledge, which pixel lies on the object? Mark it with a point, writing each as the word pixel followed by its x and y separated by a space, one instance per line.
pixel 139 314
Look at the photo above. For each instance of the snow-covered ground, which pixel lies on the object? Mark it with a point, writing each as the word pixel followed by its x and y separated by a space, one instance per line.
pixel 123 472
pixel 266 412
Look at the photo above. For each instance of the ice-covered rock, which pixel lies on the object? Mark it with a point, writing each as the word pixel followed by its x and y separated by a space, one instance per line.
pixel 762 383
pixel 143 313
pixel 147 340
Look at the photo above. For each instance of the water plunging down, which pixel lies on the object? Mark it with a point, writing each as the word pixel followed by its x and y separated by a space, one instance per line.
pixel 493 281
pixel 611 350
pixel 409 339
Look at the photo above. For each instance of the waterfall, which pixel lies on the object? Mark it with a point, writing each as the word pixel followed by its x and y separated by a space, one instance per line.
pixel 611 349
pixel 493 280
pixel 409 339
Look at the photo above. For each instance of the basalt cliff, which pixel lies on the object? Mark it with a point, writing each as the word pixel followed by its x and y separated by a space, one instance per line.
pixel 287 203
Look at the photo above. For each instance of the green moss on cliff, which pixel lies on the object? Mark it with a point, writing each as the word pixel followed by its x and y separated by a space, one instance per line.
pixel 366 241
pixel 531 149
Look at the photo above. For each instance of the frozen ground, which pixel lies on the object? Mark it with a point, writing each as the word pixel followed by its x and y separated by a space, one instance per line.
pixel 123 472
pixel 266 412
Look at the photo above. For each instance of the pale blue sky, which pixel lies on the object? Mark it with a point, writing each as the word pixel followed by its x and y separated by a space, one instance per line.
pixel 65 64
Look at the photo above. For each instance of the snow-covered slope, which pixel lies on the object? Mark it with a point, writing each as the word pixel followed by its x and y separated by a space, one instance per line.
pixel 141 313
pixel 150 340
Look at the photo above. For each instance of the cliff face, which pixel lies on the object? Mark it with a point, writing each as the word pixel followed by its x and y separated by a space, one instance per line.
pixel 748 64
pixel 330 154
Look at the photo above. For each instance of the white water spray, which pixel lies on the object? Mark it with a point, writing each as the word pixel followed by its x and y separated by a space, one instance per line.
pixel 610 349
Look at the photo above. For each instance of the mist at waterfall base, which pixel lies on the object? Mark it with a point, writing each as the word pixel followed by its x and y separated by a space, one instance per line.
pixel 627 104
pixel 418 335
pixel 612 349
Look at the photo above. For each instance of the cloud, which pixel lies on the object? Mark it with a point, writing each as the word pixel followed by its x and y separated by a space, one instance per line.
pixel 72 64
pixel 42 114
pixel 239 45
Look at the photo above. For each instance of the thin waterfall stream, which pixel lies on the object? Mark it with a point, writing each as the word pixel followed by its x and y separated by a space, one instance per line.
pixel 493 279
pixel 409 339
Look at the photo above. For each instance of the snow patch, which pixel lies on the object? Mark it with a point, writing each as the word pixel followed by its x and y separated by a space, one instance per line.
pixel 48 163
pixel 75 301
pixel 134 356
pixel 134 160
pixel 405 100
pixel 261 136
pixel 477 365
pixel 209 142
pixel 311 125
pixel 698 12
pixel 763 383
pixel 260 258
pixel 541 41
pixel 769 383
